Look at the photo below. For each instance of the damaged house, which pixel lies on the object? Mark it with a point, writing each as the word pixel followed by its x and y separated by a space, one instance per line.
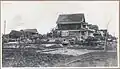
pixel 30 33
pixel 73 25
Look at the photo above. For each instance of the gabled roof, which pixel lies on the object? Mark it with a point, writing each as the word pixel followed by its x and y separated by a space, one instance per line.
pixel 71 18
pixel 31 30
pixel 15 33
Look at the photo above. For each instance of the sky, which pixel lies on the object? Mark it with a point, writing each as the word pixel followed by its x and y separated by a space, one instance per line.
pixel 43 15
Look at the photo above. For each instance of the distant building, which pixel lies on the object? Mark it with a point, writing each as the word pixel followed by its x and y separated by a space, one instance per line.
pixel 26 33
pixel 73 25
pixel 15 34
pixel 29 32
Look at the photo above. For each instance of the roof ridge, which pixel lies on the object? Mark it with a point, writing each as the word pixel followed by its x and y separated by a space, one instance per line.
pixel 72 14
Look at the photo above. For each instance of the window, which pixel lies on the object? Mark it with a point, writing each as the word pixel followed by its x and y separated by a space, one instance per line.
pixel 84 26
pixel 83 33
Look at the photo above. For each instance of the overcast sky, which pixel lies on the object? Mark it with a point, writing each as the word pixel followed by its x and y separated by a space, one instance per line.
pixel 43 14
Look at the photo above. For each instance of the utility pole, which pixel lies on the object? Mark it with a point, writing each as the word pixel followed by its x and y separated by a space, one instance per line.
pixel 106 37
pixel 4 26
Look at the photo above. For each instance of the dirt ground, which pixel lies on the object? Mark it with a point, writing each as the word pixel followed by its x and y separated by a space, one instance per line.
pixel 57 57
pixel 93 59
pixel 31 58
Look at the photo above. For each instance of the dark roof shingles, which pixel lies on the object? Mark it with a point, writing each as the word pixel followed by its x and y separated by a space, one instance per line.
pixel 71 18
pixel 31 30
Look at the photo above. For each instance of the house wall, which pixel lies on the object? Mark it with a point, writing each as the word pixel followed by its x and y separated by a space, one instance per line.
pixel 72 26
pixel 64 33
pixel 77 34
pixel 73 29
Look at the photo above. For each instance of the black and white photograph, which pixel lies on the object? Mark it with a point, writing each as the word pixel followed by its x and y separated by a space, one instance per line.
pixel 60 33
